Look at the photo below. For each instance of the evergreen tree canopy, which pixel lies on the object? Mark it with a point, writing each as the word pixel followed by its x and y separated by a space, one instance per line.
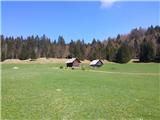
pixel 147 51
pixel 124 54
pixel 112 49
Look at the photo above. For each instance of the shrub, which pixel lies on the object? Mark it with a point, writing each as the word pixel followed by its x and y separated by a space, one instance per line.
pixel 82 68
pixel 61 67
pixel 72 68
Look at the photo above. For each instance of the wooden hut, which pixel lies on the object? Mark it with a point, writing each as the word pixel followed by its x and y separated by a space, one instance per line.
pixel 73 62
pixel 96 63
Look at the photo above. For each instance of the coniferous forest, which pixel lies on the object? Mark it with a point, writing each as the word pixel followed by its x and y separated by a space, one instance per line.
pixel 140 43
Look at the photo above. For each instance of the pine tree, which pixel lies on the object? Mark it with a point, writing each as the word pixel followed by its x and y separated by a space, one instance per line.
pixel 33 55
pixel 110 51
pixel 124 54
pixel 147 51
pixel 24 52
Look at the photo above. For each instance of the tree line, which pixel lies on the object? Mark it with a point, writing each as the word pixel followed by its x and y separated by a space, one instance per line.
pixel 140 43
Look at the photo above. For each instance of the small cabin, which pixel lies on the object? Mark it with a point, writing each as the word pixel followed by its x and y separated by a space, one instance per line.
pixel 73 62
pixel 96 63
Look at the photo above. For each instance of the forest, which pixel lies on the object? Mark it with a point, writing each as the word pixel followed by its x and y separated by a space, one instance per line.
pixel 140 43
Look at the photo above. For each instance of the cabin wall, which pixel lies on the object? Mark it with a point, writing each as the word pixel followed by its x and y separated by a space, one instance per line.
pixel 99 63
pixel 76 63
pixel 69 64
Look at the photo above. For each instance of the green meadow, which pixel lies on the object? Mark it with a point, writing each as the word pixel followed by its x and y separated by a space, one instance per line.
pixel 112 92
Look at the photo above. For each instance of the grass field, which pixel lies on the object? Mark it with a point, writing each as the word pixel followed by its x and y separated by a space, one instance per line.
pixel 112 92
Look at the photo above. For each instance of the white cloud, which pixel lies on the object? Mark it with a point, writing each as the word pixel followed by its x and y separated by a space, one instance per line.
pixel 107 3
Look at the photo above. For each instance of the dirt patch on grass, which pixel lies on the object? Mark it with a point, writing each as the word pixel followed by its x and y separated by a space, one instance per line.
pixel 15 61
pixel 41 61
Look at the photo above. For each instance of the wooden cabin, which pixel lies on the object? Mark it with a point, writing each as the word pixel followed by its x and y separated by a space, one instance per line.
pixel 96 63
pixel 73 62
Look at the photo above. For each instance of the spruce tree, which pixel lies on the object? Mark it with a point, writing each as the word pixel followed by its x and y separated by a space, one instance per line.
pixel 124 54
pixel 147 51
pixel 24 53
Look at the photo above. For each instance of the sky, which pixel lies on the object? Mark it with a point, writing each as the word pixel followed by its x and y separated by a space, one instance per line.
pixel 77 20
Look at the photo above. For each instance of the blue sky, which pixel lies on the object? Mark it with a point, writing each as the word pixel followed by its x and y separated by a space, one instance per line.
pixel 76 20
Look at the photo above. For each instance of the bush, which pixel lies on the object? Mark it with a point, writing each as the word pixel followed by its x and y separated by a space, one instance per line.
pixel 61 67
pixel 82 68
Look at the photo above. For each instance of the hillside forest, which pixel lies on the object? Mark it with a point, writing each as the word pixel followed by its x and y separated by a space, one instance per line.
pixel 140 43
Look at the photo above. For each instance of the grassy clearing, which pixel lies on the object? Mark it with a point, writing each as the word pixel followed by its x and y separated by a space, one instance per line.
pixel 39 91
